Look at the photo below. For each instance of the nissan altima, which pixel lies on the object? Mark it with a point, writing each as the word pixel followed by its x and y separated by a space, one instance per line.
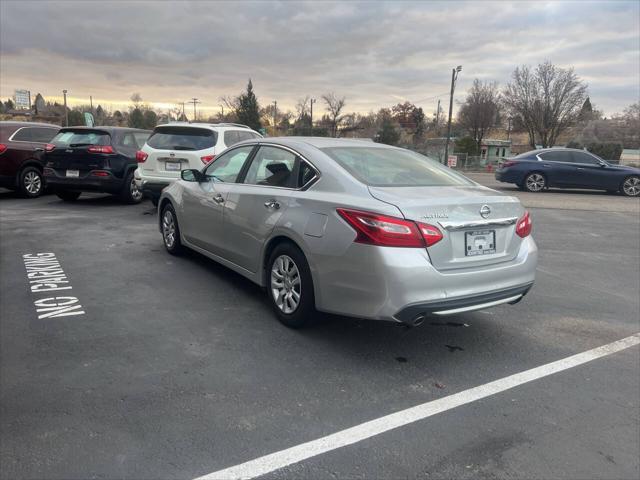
pixel 353 228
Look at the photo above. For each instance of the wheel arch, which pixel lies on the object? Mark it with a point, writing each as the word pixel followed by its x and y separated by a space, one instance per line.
pixel 270 246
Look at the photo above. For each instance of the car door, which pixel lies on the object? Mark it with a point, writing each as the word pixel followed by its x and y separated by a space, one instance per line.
pixel 255 205
pixel 203 202
pixel 558 167
pixel 593 173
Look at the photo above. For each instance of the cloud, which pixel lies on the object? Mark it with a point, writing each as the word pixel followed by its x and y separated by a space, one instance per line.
pixel 370 52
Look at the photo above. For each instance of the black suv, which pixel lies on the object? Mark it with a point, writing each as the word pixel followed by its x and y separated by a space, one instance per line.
pixel 94 159
pixel 21 150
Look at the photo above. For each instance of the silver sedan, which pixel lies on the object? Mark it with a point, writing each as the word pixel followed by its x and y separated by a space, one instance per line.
pixel 354 228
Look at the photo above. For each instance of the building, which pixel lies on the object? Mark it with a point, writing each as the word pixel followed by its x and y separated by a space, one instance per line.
pixel 491 151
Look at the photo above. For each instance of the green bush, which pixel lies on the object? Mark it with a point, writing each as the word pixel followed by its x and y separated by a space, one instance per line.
pixel 606 151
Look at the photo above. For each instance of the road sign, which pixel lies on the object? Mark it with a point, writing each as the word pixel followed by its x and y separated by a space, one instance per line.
pixel 452 161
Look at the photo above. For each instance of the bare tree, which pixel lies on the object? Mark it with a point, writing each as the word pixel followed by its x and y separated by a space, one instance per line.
pixel 302 107
pixel 480 110
pixel 545 101
pixel 334 107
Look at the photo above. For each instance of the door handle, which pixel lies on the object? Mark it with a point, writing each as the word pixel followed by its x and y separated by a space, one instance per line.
pixel 580 168
pixel 219 199
pixel 547 165
pixel 272 204
pixel 38 149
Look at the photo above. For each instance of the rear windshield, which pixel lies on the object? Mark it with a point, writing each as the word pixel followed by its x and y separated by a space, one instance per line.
pixel 182 138
pixel 387 167
pixel 77 138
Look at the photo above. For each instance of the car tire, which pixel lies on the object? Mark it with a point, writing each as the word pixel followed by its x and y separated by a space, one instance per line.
pixel 630 186
pixel 535 182
pixel 68 196
pixel 130 193
pixel 288 277
pixel 30 182
pixel 170 230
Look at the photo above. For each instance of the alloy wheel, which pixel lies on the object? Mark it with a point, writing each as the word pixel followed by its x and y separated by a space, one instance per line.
pixel 286 286
pixel 32 182
pixel 168 229
pixel 631 186
pixel 535 182
pixel 136 194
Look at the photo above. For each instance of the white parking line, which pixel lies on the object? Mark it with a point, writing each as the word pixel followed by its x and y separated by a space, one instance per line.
pixel 274 461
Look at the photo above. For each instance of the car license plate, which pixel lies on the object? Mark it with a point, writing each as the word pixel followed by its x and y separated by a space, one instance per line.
pixel 479 242
pixel 172 166
pixel 73 173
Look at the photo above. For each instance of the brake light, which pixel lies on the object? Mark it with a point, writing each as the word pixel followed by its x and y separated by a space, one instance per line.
pixel 524 225
pixel 141 157
pixel 508 163
pixel 430 234
pixel 49 147
pixel 382 230
pixel 99 173
pixel 100 149
pixel 3 147
pixel 208 158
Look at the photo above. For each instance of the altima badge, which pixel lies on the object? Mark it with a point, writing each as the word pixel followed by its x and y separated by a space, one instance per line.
pixel 485 211
pixel 430 216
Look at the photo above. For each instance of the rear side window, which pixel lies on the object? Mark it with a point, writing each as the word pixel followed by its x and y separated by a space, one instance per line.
pixel 272 167
pixel 305 174
pixel 559 156
pixel 235 136
pixel 182 138
pixel 33 134
pixel 390 167
pixel 134 140
pixel 77 138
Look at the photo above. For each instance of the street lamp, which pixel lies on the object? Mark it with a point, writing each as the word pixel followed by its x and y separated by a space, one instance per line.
pixel 66 113
pixel 454 78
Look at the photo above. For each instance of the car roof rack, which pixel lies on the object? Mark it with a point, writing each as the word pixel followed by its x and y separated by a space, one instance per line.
pixel 225 124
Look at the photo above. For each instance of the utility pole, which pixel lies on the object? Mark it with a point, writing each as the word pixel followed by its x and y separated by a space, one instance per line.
pixel 66 113
pixel 91 103
pixel 438 118
pixel 275 113
pixel 195 102
pixel 222 115
pixel 454 77
pixel 313 100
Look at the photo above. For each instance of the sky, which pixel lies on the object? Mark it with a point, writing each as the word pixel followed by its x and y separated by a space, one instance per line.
pixel 376 54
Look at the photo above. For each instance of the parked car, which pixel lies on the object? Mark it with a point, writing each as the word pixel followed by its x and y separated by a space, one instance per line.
pixel 353 228
pixel 538 170
pixel 94 159
pixel 21 150
pixel 179 146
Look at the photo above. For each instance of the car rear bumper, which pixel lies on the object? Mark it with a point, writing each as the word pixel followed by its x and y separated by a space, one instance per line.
pixel 85 183
pixel 508 176
pixel 399 284
pixel 152 186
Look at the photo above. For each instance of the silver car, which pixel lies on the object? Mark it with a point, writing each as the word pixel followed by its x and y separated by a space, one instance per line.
pixel 354 228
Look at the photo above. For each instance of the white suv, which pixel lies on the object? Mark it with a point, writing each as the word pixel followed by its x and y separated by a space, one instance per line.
pixel 179 146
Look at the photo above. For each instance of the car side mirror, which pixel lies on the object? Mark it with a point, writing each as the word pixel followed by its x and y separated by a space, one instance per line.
pixel 602 164
pixel 192 175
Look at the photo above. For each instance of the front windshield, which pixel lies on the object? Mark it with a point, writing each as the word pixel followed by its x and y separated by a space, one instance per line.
pixel 391 167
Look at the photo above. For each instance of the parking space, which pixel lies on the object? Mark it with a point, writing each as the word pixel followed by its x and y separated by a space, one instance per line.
pixel 177 368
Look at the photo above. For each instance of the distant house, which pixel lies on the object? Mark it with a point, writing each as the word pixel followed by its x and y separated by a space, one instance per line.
pixel 493 150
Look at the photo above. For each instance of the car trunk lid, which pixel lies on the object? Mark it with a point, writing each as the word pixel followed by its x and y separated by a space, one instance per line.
pixel 470 238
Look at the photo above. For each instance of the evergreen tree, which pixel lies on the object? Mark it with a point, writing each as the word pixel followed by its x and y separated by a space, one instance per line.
pixel 248 108
pixel 150 119
pixel 136 118
pixel 388 134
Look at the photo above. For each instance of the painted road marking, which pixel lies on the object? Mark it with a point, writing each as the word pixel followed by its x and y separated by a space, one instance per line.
pixel 46 275
pixel 275 461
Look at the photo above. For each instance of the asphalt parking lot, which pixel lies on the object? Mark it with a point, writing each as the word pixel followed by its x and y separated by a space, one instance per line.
pixel 177 367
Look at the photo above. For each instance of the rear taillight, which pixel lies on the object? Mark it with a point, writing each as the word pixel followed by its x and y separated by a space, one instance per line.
pixel 49 147
pixel 3 147
pixel 524 225
pixel 208 158
pixel 385 231
pixel 141 157
pixel 100 173
pixel 508 163
pixel 100 149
